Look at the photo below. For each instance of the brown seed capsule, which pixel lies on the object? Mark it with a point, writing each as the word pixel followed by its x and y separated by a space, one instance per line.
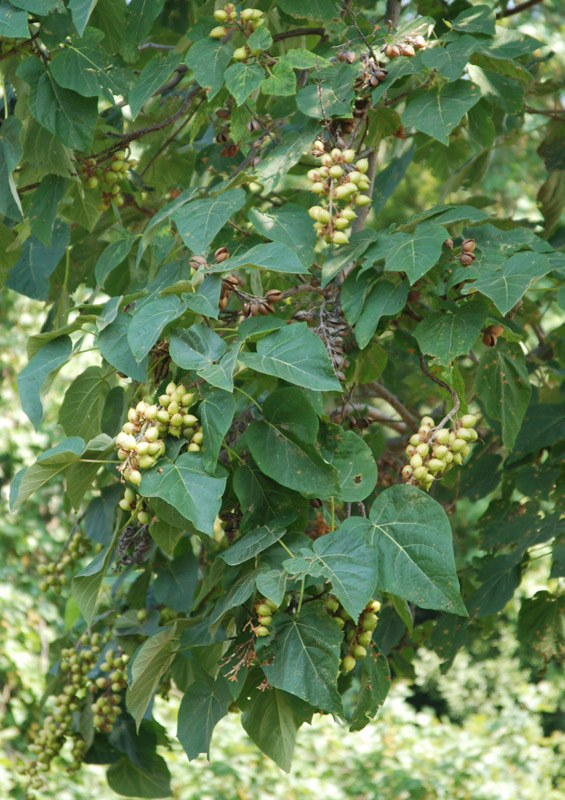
pixel 230 151
pixel 223 302
pixel 448 243
pixel 246 309
pixel 419 42
pixel 231 280
pixel 273 295
pixel 197 261
pixel 466 259
pixel 414 295
pixel 315 502
pixel 223 113
pixel 495 330
pixel 489 339
pixel 408 50
pixel 381 74
pixel 468 245
pixel 221 254
pixel 223 136
pixel 253 309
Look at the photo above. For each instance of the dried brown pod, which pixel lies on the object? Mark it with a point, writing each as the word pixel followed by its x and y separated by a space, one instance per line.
pixel 381 74
pixel 231 280
pixel 273 295
pixel 223 136
pixel 466 259
pixel 414 295
pixel 315 502
pixel 246 309
pixel 448 243
pixel 230 151
pixel 408 50
pixel 495 330
pixel 253 309
pixel 468 245
pixel 253 125
pixel 489 339
pixel 197 261
pixel 223 302
pixel 223 113
pixel 221 254
pixel 419 42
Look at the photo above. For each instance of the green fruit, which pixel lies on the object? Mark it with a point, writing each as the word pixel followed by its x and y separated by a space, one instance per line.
pixel 332 605
pixel 469 421
pixel 143 517
pixel 348 664
pixel 421 473
pixel 263 609
pixel 220 15
pixel 435 465
pixel 359 651
pixel 340 622
pixel 348 156
pixel 318 187
pixel 339 237
pixel 427 422
pixel 262 631
pixel 92 182
pixel 336 171
pixel 369 621
pixel 442 436
pixel 341 224
pixel 324 216
pixel 362 200
pixel 240 54
pixel 362 165
pixel 423 450
pixel 265 620
pixel 217 32
pixel 365 638
pixel 440 451
pixel 349 214
pixel 271 603
pixel 134 477
pixel 193 447
pixel 163 415
pixel 464 433
pixel 416 461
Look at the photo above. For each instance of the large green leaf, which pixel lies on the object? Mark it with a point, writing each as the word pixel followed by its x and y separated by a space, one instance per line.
pixel 68 115
pixel 242 79
pixel 140 17
pixel 85 586
pixel 506 285
pixel 343 256
pixel 80 476
pixel 450 61
pixel 44 206
pixel 261 499
pixel 49 464
pixel 413 253
pixel 272 721
pixel 202 707
pixel 290 225
pixel 216 414
pixel 151 779
pixel 438 111
pixel 277 257
pixel 281 82
pixel 332 94
pixel 186 486
pixel 205 300
pixel 113 344
pixel 503 386
pixel 208 59
pixel 80 12
pixel 500 90
pixel 347 561
pixel 304 657
pixel 290 462
pixel 195 347
pixel 81 66
pixel 13 21
pixel 353 460
pixel 113 255
pixel 258 540
pixel 153 75
pixel 412 535
pixel 198 221
pixel 81 411
pixel 478 19
pixel 296 355
pixel 36 376
pixel 373 688
pixel 315 9
pixel 151 660
pixel 450 333
pixel 384 299
pixel 167 536
pixel 10 154
pixel 148 322
pixel 221 374
pixel 290 411
pixel 276 163
pixel 31 272
pixel 543 426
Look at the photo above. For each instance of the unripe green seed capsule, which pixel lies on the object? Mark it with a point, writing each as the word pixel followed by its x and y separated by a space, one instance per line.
pixel 362 200
pixel 416 461
pixel 348 664
pixel 332 604
pixel 218 32
pixel 348 156
pixel 469 421
pixel 198 437
pixel 440 451
pixel 474 435
pixel 265 620
pixel 442 436
pixel 359 651
pixel 163 415
pixel 240 54
pixel 362 165
pixel 318 187
pixel 262 631
pixel 421 473
pixel 193 447
pixel 336 171
pixel 263 609
pixel 464 433
pixel 369 621
pixel 423 449
pixel 220 15
pixel 340 622
pixel 435 465
pixel 324 216
pixel 365 638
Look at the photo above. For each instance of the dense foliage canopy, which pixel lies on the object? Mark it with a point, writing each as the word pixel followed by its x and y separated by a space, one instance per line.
pixel 318 426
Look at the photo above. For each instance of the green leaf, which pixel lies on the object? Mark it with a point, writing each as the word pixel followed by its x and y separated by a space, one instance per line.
pixel 202 707
pixel 198 221
pixel 242 79
pixel 541 623
pixel 276 163
pixel 503 386
pixel 140 17
pixel 447 334
pixel 113 344
pixel 315 9
pixel 258 540
pixel 239 591
pixel 271 583
pixel 272 721
pixel 151 660
pixel 216 414
pixel 221 374
pixel 13 21
pixel 176 582
pixel 276 257
pixel 68 115
pixel 437 111
pixel 412 535
pixel 347 561
pixel 81 67
pixel 415 253
pixel 195 347
pixel 281 81
pixel 38 373
pixel 335 262
pixel 31 272
pixel 332 96
pixel 44 152
pixel 544 425
pixel 148 322
pixel 501 90
pixel 112 256
pixel 353 460
pixel 80 12
pixel 153 75
pixel 450 61
pixel 85 586
pixel 290 411
pixel 373 689
pixel 506 285
pixel 388 179
pixel 304 657
pixel 187 487
pixel 290 225
pixel 80 476
pixel 260 498
pixel 205 300
pixel 10 156
pixel 49 464
pixel 384 299
pixel 152 780
pixel 303 59
pixel 81 410
pixel 208 59
pixel 478 19
pixel 296 355
pixel 44 205
pixel 165 535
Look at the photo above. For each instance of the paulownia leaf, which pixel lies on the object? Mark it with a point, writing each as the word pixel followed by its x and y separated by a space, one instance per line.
pixel 153 75
pixel 195 347
pixel 447 334
pixel 36 376
pixel 49 464
pixel 258 540
pixel 373 689
pixel 81 66
pixel 384 299
pixel 81 411
pixel 437 111
pixel 198 221
pixel 148 322
pixel 113 344
pixel 10 155
pixel 290 411
pixel 272 721
pixel 208 59
pixel 204 704
pixel 290 225
pixel 506 285
pixel 242 79
pixel 413 253
pixel 276 257
pixel 85 586
pixel 353 460
pixel 31 272
pixel 151 779
pixel 151 660
pixel 216 413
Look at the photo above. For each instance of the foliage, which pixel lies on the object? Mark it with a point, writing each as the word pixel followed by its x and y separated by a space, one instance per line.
pixel 313 433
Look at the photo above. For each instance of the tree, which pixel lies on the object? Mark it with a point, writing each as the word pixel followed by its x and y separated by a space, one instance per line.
pixel 303 384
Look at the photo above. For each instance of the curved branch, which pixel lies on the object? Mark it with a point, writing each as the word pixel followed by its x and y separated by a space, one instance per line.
pixel 381 391
pixel 508 12
pixel 278 37
pixel 444 385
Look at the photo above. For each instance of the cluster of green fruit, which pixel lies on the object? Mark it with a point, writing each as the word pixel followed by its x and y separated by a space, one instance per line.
pixel 357 635
pixel 433 452
pixel 106 707
pixel 264 609
pixel 140 442
pixel 247 21
pixel 107 177
pixel 53 573
pixel 342 184
pixel 136 505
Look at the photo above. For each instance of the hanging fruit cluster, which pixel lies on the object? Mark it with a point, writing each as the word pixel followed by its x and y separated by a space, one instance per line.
pixel 106 707
pixel 432 452
pixel 140 442
pixel 357 635
pixel 54 573
pixel 342 184
pixel 136 506
pixel 107 177
pixel 491 334
pixel 371 74
pixel 407 47
pixel 248 20
pixel 264 609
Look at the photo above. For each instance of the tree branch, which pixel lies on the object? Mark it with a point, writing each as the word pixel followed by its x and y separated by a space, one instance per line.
pixel 444 385
pixel 157 126
pixel 381 391
pixel 278 37
pixel 508 12
pixel 392 12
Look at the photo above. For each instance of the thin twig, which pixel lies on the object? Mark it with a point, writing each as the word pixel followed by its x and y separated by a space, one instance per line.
pixel 381 391
pixel 444 385
pixel 298 32
pixel 508 12
pixel 164 123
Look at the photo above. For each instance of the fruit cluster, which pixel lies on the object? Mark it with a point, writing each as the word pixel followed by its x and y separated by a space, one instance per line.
pixel 467 255
pixel 371 74
pixel 248 20
pixel 107 177
pixel 199 262
pixel 342 184
pixel 140 442
pixel 262 305
pixel 433 452
pixel 106 707
pixel 264 609
pixel 357 636
pixel 491 334
pixel 407 47
pixel 53 573
pixel 136 505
